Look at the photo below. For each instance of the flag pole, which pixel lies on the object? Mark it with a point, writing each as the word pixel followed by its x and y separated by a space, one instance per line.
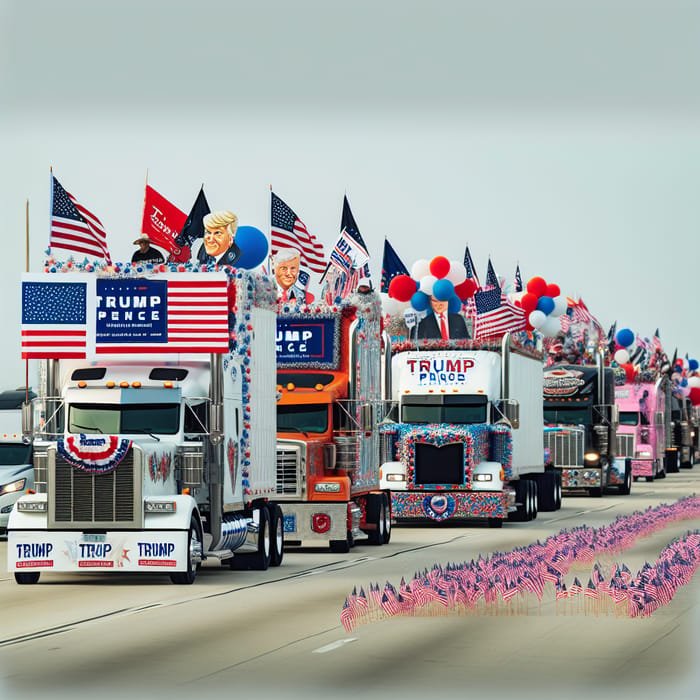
pixel 143 209
pixel 26 238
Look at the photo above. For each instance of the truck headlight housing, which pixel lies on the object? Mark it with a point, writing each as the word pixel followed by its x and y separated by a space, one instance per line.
pixel 591 458
pixel 160 506
pixel 32 506
pixel 327 487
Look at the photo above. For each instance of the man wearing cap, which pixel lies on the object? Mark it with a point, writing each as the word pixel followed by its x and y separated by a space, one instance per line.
pixel 145 253
pixel 442 325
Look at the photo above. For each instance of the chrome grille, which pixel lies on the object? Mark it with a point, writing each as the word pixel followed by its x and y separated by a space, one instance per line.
pixel 565 447
pixel 79 499
pixel 288 469
pixel 625 445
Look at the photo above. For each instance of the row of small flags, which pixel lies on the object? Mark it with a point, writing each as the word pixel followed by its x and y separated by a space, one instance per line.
pixel 496 583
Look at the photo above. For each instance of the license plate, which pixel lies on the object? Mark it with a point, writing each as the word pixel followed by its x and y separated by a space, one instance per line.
pixel 92 538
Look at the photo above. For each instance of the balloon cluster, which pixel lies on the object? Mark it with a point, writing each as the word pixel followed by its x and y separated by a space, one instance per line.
pixel 444 279
pixel 625 340
pixel 686 382
pixel 543 306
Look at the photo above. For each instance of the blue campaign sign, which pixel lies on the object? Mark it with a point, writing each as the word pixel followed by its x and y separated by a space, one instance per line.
pixel 304 341
pixel 132 311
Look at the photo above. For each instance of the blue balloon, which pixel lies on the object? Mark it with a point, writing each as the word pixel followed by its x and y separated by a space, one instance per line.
pixel 545 305
pixel 443 290
pixel 455 304
pixel 420 301
pixel 624 337
pixel 693 365
pixel 254 247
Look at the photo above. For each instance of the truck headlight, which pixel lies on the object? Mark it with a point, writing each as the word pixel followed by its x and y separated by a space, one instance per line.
pixel 13 487
pixel 32 506
pixel 327 487
pixel 395 477
pixel 160 506
pixel 483 477
pixel 591 457
pixel 643 454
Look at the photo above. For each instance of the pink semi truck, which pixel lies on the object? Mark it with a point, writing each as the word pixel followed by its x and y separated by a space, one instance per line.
pixel 644 409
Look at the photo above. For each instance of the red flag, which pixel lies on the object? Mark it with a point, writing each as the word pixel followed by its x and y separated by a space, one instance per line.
pixel 163 221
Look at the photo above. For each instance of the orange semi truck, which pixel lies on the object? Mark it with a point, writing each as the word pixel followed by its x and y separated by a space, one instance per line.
pixel 330 389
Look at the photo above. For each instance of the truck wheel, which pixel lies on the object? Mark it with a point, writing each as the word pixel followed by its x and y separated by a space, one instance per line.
pixel 547 491
pixel 557 481
pixel 24 577
pixel 277 530
pixel 526 498
pixel 626 486
pixel 260 560
pixel 387 517
pixel 532 486
pixel 194 556
pixel 376 515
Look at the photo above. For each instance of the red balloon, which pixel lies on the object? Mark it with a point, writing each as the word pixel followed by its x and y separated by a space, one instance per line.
pixel 537 286
pixel 694 395
pixel 402 288
pixel 466 290
pixel 529 302
pixel 552 290
pixel 629 371
pixel 439 266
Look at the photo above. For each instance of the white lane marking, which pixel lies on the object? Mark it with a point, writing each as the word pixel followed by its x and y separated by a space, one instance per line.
pixel 334 645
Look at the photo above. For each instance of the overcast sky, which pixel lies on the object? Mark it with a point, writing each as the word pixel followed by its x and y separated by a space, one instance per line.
pixel 563 136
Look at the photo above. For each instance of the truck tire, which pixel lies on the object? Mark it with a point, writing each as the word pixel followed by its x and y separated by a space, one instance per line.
pixel 547 492
pixel 532 485
pixel 194 557
pixel 376 515
pixel 277 531
pixel 27 577
pixel 260 560
pixel 626 486
pixel 558 482
pixel 387 515
pixel 526 499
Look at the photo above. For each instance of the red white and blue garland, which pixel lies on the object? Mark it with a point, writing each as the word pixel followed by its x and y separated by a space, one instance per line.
pixel 93 454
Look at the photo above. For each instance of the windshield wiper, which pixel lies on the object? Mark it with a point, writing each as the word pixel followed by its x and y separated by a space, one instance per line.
pixel 144 431
pixel 292 429
pixel 91 428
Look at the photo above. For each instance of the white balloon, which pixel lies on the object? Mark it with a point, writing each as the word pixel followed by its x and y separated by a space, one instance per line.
pixel 694 382
pixel 560 306
pixel 622 357
pixel 420 269
pixel 537 318
pixel 426 284
pixel 457 273
pixel 390 307
pixel 551 326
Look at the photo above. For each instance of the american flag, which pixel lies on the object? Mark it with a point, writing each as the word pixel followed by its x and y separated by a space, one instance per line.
pixel 288 231
pixel 518 281
pixel 73 227
pixel 197 313
pixel 496 315
pixel 54 320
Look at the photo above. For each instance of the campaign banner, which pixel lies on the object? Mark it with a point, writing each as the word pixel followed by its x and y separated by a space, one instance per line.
pixel 305 342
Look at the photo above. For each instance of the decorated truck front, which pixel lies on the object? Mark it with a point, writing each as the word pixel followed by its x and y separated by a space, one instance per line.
pixel 467 443
pixel 142 436
pixel 330 404
pixel 581 426
pixel 643 421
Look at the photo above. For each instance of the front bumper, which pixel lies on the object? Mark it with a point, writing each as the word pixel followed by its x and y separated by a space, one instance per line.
pixel 318 522
pixel 448 505
pixel 66 550
pixel 581 477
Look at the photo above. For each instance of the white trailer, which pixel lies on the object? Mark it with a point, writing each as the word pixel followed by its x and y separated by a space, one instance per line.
pixel 150 456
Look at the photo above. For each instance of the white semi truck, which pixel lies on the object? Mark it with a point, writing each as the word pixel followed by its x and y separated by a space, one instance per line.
pixel 468 438
pixel 154 439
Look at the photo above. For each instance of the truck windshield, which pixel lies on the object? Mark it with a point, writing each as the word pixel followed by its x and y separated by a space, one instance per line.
pixel 302 419
pixel 15 453
pixel 455 413
pixel 118 419
pixel 567 416
pixel 629 418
